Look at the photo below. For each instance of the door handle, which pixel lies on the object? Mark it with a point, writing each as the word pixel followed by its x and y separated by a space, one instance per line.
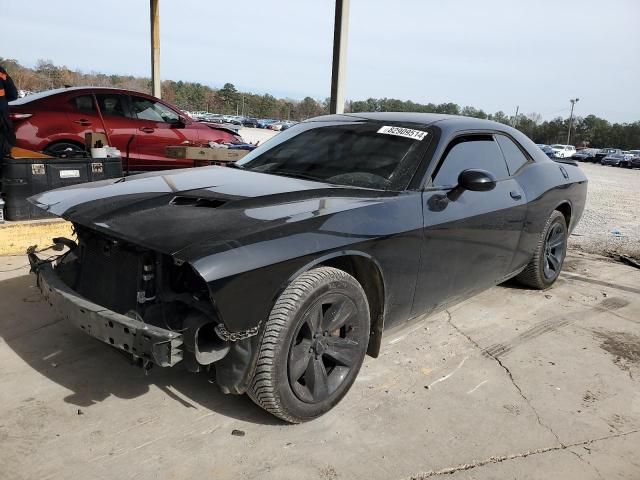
pixel 84 122
pixel 147 129
pixel 515 195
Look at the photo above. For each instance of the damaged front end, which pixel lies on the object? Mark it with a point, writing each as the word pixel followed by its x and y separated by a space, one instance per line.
pixel 145 303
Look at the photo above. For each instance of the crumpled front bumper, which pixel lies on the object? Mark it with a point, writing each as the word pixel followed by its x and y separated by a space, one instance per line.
pixel 147 342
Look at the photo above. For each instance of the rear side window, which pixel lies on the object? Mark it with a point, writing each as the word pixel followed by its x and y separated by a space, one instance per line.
pixel 84 104
pixel 111 105
pixel 512 154
pixel 476 151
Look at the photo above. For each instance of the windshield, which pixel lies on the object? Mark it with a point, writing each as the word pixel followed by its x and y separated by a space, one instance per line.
pixel 560 147
pixel 360 154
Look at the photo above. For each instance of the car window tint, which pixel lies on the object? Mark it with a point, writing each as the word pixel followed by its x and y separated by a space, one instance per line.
pixel 512 154
pixel 355 154
pixel 145 109
pixel 111 104
pixel 479 151
pixel 84 104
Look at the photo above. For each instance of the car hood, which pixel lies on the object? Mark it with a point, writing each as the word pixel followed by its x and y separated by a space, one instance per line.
pixel 171 211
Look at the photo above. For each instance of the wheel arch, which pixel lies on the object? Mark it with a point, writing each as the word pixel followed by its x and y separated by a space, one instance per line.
pixel 565 209
pixel 64 140
pixel 367 271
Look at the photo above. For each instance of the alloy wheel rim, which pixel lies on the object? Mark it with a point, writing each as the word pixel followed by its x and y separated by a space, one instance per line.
pixel 324 349
pixel 554 251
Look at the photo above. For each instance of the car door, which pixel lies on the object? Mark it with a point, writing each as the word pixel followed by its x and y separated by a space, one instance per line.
pixel 117 122
pixel 83 116
pixel 157 127
pixel 468 243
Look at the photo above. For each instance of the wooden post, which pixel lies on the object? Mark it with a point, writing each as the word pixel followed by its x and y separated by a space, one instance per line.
pixel 155 47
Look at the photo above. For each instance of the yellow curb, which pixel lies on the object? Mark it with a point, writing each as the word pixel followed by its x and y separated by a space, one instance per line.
pixel 16 237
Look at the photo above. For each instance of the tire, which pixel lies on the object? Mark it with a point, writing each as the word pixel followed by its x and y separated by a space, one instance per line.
pixel 546 264
pixel 65 150
pixel 289 381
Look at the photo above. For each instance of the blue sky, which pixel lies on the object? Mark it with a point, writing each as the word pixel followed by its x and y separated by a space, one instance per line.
pixel 493 55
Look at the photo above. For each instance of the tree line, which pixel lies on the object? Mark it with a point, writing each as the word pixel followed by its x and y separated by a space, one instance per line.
pixel 588 130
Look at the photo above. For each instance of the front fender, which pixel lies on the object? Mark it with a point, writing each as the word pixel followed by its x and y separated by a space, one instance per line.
pixel 245 282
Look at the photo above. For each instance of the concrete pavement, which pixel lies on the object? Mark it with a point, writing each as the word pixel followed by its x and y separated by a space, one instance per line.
pixel 511 384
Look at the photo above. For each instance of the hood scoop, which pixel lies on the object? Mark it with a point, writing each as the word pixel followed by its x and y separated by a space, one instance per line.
pixel 204 202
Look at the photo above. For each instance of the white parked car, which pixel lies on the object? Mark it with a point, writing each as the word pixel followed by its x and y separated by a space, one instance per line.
pixel 564 151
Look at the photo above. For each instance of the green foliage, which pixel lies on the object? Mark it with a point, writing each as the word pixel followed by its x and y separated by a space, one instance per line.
pixel 587 131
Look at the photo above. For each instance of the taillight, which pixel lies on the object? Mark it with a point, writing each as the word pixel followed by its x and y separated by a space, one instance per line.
pixel 20 116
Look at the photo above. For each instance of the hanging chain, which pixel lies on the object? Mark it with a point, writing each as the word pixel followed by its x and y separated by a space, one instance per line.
pixel 228 336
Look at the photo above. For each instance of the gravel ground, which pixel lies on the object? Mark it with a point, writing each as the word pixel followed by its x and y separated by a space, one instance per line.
pixel 611 220
pixel 256 134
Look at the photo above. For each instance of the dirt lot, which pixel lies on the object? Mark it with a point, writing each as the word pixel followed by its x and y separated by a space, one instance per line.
pixel 254 135
pixel 611 222
pixel 511 384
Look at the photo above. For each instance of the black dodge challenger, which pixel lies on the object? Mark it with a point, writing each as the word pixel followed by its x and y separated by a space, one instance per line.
pixel 282 272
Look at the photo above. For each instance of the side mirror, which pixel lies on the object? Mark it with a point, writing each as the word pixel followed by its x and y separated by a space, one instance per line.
pixel 477 180
pixel 181 122
pixel 474 180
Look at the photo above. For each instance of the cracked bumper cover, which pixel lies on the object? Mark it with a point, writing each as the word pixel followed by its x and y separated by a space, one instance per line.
pixel 154 344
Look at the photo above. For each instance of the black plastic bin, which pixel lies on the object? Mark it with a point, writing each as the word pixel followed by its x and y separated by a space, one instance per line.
pixel 23 177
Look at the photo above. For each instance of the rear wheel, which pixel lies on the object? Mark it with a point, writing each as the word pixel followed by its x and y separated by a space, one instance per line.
pixel 313 345
pixel 546 264
pixel 65 150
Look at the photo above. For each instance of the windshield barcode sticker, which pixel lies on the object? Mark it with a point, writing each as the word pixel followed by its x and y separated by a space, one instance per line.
pixel 403 132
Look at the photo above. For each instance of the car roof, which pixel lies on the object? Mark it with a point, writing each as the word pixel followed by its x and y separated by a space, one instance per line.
pixel 48 93
pixel 449 125
pixel 458 121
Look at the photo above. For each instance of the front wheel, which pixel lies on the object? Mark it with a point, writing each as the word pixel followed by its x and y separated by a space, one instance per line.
pixel 313 345
pixel 546 264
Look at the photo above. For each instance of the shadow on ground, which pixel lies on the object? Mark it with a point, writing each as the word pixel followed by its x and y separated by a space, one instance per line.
pixel 93 371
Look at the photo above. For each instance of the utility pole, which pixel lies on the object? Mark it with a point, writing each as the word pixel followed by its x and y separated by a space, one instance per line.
pixel 339 69
pixel 515 119
pixel 573 103
pixel 154 8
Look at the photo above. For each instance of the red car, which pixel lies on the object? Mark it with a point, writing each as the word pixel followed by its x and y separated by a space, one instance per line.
pixel 57 120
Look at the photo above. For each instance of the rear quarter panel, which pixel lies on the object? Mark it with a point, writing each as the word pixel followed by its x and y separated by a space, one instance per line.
pixel 49 123
pixel 546 188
